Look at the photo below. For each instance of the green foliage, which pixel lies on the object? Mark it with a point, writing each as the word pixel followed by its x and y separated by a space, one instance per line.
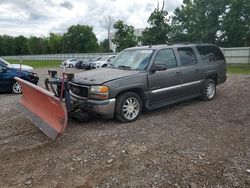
pixel 38 63
pixel 80 38
pixel 21 45
pixel 7 45
pixel 236 24
pixel 197 21
pixel 159 30
pixel 55 43
pixel 38 45
pixel 104 46
pixel 124 36
pixel 225 22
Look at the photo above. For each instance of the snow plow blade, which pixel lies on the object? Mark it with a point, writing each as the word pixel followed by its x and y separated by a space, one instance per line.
pixel 45 110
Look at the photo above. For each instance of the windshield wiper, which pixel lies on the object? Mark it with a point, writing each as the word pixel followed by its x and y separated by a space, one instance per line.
pixel 124 67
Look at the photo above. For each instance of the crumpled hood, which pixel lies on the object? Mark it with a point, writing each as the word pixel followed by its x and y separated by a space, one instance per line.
pixel 102 75
pixel 23 67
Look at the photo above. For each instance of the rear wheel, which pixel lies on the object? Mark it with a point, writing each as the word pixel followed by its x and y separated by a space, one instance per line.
pixel 105 65
pixel 209 90
pixel 128 107
pixel 16 88
pixel 70 65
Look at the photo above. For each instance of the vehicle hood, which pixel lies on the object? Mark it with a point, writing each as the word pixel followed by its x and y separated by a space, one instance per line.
pixel 100 76
pixel 23 67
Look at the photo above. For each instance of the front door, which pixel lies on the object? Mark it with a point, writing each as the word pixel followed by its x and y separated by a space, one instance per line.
pixel 164 85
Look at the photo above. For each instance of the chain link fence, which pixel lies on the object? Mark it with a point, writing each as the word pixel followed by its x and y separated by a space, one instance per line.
pixel 61 57
pixel 240 55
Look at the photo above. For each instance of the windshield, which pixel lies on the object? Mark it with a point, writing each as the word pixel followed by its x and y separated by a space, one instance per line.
pixel 132 59
pixel 3 62
pixel 105 58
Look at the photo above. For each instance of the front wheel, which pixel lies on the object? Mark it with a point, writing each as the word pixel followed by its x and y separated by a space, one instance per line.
pixel 16 88
pixel 128 107
pixel 209 90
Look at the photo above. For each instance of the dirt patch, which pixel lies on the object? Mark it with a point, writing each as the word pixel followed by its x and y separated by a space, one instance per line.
pixel 190 144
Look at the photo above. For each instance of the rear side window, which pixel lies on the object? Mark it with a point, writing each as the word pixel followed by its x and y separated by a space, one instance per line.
pixel 187 56
pixel 166 57
pixel 210 53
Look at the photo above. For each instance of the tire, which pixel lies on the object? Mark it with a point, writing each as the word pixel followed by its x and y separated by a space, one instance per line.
pixel 209 90
pixel 105 65
pixel 16 88
pixel 70 65
pixel 128 107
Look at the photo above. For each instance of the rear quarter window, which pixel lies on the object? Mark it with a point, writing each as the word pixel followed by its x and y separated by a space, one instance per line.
pixel 210 53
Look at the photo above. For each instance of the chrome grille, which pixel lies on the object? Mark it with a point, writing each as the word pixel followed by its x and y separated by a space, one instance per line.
pixel 79 90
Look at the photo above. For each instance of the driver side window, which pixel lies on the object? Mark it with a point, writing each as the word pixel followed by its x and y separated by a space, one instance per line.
pixel 166 57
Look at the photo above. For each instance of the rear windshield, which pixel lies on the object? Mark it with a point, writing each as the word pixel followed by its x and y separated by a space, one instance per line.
pixel 210 53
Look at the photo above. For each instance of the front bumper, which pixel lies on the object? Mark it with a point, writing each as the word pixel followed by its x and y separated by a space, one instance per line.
pixel 103 108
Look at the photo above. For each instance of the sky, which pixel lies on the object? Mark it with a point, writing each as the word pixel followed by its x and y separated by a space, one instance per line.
pixel 40 17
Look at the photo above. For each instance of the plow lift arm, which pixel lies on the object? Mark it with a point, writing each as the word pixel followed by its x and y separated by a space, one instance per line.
pixel 48 111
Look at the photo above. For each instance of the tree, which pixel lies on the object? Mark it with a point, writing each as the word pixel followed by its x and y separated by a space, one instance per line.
pixel 198 21
pixel 21 45
pixel 104 45
pixel 55 43
pixel 80 38
pixel 38 45
pixel 159 30
pixel 236 24
pixel 7 45
pixel 124 36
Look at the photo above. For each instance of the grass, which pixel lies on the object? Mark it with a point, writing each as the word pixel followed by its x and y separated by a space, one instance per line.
pixel 38 63
pixel 238 69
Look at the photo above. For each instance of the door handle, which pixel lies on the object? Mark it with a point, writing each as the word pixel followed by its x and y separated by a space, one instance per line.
pixel 197 70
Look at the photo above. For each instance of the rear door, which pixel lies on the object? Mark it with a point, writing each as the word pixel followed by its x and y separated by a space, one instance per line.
pixel 191 72
pixel 165 85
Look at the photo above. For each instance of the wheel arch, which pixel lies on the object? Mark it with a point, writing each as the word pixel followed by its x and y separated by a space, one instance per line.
pixel 213 76
pixel 138 91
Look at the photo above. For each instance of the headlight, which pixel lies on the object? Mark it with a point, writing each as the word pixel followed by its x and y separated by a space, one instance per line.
pixel 68 76
pixel 99 92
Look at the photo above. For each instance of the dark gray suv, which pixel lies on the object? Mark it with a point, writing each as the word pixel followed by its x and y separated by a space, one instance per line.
pixel 149 77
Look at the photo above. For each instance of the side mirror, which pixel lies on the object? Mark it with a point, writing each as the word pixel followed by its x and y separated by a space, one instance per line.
pixel 158 67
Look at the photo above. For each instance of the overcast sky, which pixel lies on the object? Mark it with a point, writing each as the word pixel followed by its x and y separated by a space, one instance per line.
pixel 40 17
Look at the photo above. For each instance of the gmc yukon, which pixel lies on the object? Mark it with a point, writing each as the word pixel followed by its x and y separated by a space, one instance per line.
pixel 149 77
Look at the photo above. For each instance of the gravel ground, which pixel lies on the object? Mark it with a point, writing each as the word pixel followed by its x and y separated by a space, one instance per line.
pixel 190 144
